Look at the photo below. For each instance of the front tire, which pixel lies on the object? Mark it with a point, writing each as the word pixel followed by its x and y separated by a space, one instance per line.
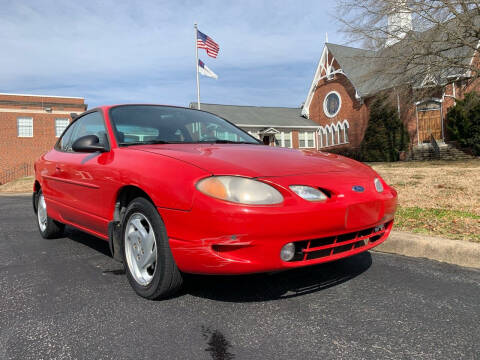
pixel 48 227
pixel 147 258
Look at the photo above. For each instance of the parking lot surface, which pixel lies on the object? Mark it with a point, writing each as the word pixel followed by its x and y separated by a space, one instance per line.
pixel 68 299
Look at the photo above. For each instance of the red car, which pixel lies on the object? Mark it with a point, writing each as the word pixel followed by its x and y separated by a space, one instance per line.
pixel 180 190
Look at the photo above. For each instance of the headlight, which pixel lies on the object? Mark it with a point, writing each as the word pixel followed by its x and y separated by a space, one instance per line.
pixel 308 193
pixel 240 190
pixel 378 185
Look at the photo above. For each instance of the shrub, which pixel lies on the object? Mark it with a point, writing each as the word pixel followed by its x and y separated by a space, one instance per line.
pixel 386 135
pixel 463 122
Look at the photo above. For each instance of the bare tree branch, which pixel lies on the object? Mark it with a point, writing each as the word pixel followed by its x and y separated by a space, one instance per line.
pixel 440 47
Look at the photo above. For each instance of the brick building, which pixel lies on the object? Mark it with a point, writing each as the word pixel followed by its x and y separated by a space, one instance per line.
pixel 29 126
pixel 275 126
pixel 347 79
pixel 336 110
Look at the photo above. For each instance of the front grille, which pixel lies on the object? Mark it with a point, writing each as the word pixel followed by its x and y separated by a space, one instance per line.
pixel 332 245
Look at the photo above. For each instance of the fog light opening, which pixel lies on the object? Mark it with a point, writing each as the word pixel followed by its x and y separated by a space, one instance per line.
pixel 288 252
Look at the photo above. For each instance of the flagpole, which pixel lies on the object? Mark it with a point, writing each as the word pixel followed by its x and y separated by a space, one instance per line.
pixel 196 66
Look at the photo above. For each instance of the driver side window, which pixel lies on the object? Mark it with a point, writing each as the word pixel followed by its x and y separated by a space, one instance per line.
pixel 89 124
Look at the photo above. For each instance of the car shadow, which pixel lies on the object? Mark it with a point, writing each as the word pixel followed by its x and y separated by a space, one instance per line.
pixel 256 287
pixel 88 240
pixel 281 285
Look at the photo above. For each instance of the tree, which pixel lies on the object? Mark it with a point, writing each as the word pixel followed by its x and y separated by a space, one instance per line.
pixel 463 122
pixel 386 135
pixel 438 48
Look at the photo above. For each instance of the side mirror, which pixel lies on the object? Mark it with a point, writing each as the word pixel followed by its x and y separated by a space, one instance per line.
pixel 88 143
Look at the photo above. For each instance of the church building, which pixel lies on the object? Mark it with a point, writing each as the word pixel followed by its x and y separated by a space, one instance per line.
pixel 347 79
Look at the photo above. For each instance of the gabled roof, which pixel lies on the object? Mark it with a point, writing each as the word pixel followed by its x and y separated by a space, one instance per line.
pixel 371 71
pixel 259 116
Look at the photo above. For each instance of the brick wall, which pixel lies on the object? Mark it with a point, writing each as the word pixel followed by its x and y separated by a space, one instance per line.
pixel 295 142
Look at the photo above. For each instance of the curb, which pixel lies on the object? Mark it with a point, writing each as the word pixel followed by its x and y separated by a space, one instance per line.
pixel 456 252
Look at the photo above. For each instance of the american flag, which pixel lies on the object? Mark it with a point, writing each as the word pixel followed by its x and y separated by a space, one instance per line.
pixel 206 42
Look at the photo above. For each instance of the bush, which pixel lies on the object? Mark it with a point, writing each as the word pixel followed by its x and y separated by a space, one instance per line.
pixel 463 122
pixel 385 136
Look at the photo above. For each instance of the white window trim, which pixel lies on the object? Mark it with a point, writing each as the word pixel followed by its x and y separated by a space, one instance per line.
pixel 283 136
pixel 306 140
pixel 346 127
pixel 325 111
pixel 289 135
pixel 18 126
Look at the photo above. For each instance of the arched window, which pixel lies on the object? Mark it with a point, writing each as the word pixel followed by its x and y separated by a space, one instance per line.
pixel 334 134
pixel 346 126
pixel 320 137
pixel 327 135
pixel 339 127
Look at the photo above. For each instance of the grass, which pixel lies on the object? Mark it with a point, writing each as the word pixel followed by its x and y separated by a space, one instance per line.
pixel 453 224
pixel 436 197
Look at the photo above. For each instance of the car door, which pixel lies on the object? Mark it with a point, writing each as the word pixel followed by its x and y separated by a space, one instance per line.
pixel 84 180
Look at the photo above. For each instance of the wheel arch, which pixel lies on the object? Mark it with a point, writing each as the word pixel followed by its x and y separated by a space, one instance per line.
pixel 124 196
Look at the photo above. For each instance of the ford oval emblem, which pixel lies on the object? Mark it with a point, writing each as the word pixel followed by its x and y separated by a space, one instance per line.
pixel 358 188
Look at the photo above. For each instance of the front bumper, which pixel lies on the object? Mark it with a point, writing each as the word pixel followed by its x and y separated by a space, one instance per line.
pixel 216 237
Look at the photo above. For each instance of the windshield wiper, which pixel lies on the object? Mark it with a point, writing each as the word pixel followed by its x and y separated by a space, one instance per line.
pixel 149 142
pixel 220 141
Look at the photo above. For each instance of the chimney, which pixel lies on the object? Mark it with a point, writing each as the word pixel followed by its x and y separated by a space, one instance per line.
pixel 399 22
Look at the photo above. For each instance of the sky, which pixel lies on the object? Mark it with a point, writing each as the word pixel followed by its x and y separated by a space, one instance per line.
pixel 112 52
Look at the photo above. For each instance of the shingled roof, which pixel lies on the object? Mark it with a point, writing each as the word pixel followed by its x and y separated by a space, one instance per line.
pixel 257 116
pixel 359 65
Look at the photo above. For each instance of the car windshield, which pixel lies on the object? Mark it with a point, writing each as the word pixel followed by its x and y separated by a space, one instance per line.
pixel 154 124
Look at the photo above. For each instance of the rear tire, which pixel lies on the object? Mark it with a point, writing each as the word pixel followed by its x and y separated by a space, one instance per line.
pixel 48 227
pixel 147 258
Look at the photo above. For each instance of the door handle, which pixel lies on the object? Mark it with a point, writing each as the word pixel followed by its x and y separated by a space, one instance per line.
pixel 58 168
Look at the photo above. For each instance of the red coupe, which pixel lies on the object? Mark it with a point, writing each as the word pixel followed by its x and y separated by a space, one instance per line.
pixel 180 190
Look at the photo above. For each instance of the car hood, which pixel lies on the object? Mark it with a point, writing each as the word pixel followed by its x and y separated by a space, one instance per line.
pixel 256 160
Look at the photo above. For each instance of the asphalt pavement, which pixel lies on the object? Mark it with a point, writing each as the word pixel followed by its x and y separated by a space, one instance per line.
pixel 68 299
